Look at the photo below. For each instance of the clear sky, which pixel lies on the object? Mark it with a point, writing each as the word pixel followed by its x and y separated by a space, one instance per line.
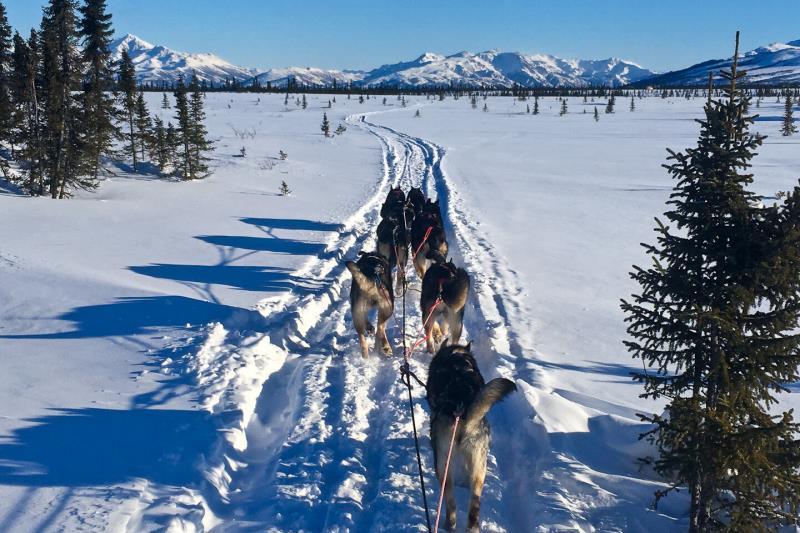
pixel 658 34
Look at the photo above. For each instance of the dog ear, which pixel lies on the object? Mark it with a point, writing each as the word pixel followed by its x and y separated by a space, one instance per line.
pixel 469 346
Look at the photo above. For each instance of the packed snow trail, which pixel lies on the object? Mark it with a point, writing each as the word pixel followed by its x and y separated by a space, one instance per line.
pixel 319 439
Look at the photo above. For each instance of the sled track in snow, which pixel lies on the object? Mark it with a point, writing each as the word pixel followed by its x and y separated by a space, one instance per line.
pixel 319 439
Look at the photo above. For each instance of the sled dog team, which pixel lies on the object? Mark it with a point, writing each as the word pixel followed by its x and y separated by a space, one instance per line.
pixel 413 225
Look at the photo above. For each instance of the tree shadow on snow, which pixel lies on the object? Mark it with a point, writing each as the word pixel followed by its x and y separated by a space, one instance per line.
pixel 618 370
pixel 291 224
pixel 91 447
pixel 262 244
pixel 137 315
pixel 248 278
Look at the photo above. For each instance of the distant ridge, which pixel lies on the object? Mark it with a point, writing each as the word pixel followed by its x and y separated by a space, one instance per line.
pixel 157 64
pixel 774 64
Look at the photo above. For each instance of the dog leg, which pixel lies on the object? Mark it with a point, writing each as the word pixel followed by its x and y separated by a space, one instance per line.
pixel 456 324
pixel 449 504
pixel 362 340
pixel 475 501
pixel 381 337
pixel 429 335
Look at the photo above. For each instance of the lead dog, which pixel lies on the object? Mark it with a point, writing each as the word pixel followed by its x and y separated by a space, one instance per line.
pixel 446 317
pixel 456 387
pixel 371 289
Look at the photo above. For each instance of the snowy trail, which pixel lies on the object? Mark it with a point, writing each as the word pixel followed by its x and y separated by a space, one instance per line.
pixel 319 439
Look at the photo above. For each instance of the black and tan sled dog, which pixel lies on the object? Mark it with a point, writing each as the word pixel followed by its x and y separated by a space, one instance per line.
pixel 443 318
pixel 371 289
pixel 456 387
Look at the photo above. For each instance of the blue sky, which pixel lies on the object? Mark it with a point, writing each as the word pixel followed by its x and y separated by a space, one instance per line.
pixel 661 35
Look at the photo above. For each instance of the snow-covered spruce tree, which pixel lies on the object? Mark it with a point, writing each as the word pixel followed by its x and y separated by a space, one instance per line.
pixel 715 322
pixel 596 115
pixel 305 101
pixel 563 110
pixel 127 87
pixel 63 142
pixel 536 105
pixel 284 189
pixel 6 108
pixel 788 120
pixel 143 123
pixel 632 108
pixel 326 126
pixel 165 101
pixel 98 105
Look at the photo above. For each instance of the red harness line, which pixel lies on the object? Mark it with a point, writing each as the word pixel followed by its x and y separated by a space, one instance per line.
pixel 425 336
pixel 444 480
pixel 427 234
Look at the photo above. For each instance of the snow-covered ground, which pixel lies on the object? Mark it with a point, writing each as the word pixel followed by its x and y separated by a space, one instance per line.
pixel 180 355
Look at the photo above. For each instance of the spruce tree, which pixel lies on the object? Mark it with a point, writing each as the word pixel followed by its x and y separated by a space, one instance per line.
pixel 633 105
pixel 326 126
pixel 127 87
pixel 6 106
pixel 171 145
pixel 610 105
pixel 165 102
pixel 143 124
pixel 98 105
pixel 716 323
pixel 305 101
pixel 536 105
pixel 183 132
pixel 26 123
pixel 63 142
pixel 596 115
pixel 563 110
pixel 200 142
pixel 788 121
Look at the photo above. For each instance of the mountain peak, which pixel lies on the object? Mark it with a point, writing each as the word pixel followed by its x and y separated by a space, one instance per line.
pixel 130 42
pixel 429 57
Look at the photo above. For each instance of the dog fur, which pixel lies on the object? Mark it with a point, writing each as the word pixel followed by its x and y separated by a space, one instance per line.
pixel 432 206
pixel 395 199
pixel 447 318
pixel 417 199
pixel 394 239
pixel 371 289
pixel 456 387
pixel 435 241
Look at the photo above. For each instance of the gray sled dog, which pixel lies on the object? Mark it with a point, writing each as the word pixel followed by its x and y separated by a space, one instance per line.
pixel 371 289
pixel 456 387
pixel 446 281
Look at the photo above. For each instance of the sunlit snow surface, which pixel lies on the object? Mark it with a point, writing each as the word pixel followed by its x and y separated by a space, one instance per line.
pixel 180 355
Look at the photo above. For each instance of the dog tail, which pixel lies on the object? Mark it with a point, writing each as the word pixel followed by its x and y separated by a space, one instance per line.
pixel 358 277
pixel 490 394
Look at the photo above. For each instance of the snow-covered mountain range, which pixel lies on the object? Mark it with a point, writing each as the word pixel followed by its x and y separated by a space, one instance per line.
pixel 774 64
pixel 489 69
pixel 156 64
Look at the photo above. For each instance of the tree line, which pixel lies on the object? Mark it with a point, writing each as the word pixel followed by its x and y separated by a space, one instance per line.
pixel 66 106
